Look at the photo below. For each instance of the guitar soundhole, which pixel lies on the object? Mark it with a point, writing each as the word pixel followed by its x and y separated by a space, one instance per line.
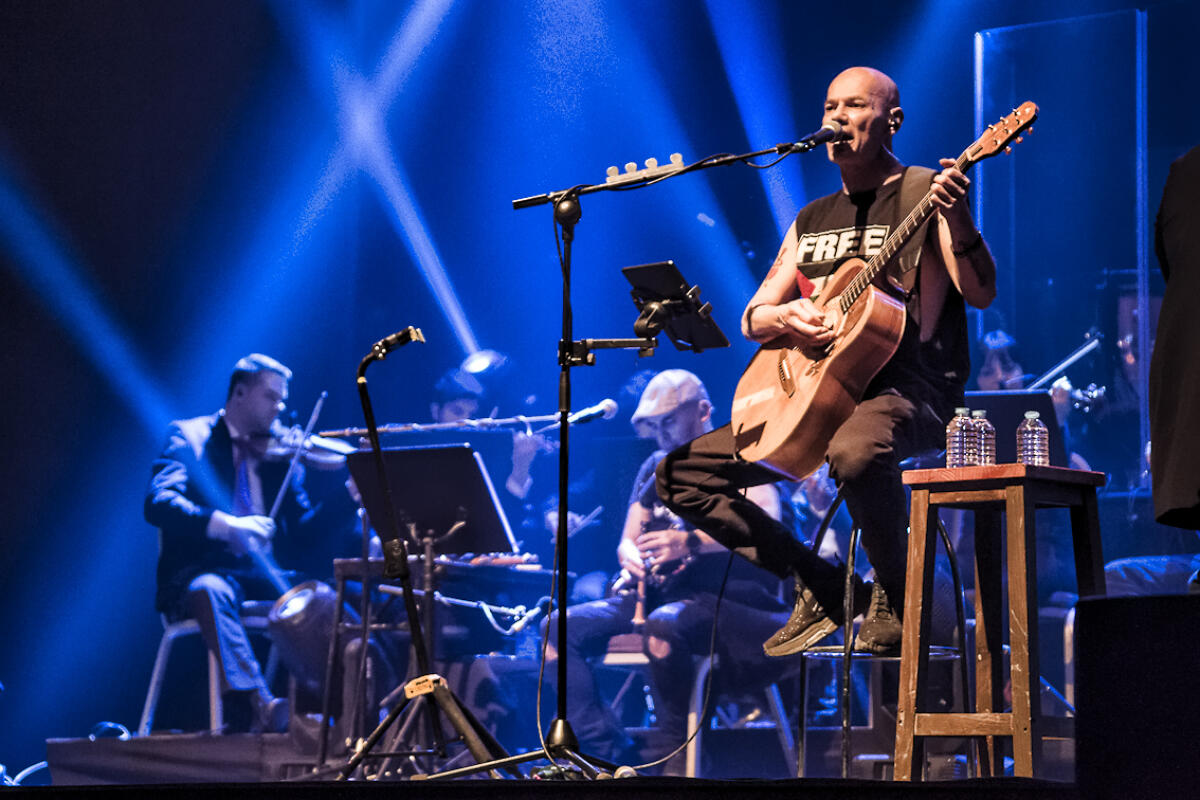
pixel 785 374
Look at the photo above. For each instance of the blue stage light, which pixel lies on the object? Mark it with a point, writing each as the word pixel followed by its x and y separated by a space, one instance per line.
pixel 361 110
pixel 746 36
pixel 42 258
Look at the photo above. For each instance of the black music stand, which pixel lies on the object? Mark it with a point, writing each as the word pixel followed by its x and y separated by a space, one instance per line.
pixel 445 489
pixel 436 488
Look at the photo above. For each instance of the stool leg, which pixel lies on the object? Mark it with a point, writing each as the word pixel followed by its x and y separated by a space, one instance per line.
pixel 787 740
pixel 216 710
pixel 156 683
pixel 696 718
pixel 1022 635
pixel 960 620
pixel 914 645
pixel 802 682
pixel 847 642
pixel 989 651
pixel 335 644
pixel 1085 536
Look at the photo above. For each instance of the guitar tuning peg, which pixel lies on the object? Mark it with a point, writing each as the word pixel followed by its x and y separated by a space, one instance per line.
pixel 1029 130
pixel 1020 139
pixel 1008 150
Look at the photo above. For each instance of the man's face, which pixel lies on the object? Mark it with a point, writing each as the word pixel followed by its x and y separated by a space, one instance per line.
pixel 858 101
pixel 676 427
pixel 256 404
pixel 999 371
pixel 455 410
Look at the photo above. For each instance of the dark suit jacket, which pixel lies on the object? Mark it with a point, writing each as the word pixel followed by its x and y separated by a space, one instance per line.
pixel 190 479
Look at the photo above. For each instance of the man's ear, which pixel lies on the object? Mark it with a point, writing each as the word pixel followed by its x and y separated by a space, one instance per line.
pixel 706 410
pixel 895 119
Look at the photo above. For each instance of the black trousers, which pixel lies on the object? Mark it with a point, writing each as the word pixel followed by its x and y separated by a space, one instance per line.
pixel 702 483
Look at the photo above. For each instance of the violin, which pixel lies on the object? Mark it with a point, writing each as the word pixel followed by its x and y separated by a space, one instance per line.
pixel 319 452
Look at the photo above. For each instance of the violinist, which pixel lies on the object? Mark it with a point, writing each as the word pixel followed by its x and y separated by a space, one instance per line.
pixel 210 495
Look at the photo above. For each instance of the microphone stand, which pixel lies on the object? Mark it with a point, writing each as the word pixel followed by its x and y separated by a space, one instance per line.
pixel 561 741
pixel 427 686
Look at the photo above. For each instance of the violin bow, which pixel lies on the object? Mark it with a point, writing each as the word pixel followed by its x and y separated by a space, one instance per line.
pixel 312 423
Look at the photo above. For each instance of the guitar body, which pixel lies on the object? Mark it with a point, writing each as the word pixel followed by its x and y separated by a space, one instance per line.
pixel 789 401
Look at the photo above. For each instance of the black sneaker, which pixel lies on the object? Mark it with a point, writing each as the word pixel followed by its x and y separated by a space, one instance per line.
pixel 880 631
pixel 810 622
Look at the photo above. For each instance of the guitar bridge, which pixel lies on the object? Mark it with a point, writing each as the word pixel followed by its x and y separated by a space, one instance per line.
pixel 785 374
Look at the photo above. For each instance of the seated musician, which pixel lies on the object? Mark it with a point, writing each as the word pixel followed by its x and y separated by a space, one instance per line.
pixel 458 396
pixel 209 495
pixel 682 571
pixel 903 410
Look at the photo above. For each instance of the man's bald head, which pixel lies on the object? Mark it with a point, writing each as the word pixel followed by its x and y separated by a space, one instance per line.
pixel 877 83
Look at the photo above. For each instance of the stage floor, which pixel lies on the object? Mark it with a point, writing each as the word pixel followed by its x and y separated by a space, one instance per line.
pixel 201 765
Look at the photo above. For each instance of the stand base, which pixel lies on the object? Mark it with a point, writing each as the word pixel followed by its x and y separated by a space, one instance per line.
pixel 561 744
pixel 431 688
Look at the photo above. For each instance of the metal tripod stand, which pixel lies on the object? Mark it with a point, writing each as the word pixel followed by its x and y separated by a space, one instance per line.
pixel 427 692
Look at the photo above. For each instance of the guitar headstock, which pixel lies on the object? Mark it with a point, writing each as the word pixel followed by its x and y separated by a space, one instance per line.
pixel 1003 134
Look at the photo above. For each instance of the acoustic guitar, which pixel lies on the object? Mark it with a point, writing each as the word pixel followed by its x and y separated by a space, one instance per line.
pixel 791 400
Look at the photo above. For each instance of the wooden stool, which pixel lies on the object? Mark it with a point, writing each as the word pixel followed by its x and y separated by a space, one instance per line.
pixel 1016 490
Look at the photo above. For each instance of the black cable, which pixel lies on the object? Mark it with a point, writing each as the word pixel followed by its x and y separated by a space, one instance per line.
pixel 545 646
pixel 712 650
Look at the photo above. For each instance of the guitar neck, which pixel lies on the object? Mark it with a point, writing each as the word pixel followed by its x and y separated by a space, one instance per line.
pixel 898 238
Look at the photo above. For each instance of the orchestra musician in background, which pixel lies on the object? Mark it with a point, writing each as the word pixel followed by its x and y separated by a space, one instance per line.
pixel 457 396
pixel 680 570
pixel 1000 371
pixel 904 408
pixel 209 495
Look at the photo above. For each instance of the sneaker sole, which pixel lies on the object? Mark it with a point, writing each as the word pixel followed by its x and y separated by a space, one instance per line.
pixel 809 638
pixel 876 650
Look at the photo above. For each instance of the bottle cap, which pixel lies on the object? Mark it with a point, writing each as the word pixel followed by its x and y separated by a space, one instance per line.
pixel 979 413
pixel 1032 415
pixel 962 411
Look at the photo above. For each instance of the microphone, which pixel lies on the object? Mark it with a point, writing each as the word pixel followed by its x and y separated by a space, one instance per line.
pixel 606 408
pixel 542 607
pixel 829 132
pixel 387 344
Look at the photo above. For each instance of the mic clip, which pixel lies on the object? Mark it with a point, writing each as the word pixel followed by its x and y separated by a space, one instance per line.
pixel 387 344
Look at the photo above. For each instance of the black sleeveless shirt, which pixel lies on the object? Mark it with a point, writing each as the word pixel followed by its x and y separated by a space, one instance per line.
pixel 839 226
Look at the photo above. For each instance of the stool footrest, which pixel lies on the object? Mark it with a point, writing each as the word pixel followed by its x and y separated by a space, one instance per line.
pixel 986 724
pixel 959 724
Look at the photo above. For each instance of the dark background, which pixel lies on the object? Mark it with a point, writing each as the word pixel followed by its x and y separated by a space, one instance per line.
pixel 181 184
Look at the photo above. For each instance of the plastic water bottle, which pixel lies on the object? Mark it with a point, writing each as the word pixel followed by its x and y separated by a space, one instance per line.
pixel 1033 441
pixel 985 438
pixel 960 436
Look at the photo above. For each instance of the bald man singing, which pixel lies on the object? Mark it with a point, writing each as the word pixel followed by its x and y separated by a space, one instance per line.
pixel 904 409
